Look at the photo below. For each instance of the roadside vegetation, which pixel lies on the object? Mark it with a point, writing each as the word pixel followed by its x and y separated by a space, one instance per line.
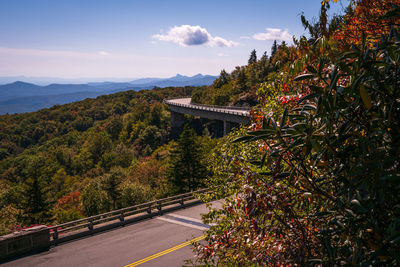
pixel 315 180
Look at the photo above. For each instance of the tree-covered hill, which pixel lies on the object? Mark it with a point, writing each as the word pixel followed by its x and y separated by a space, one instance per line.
pixel 86 157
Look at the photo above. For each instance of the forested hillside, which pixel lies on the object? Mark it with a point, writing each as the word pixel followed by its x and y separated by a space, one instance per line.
pixel 88 157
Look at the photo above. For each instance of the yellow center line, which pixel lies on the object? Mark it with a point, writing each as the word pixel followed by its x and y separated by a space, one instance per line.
pixel 159 254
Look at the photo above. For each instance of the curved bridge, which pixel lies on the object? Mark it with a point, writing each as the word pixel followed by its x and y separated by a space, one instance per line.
pixel 227 115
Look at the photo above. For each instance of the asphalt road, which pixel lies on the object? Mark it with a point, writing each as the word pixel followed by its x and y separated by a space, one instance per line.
pixel 140 243
pixel 186 101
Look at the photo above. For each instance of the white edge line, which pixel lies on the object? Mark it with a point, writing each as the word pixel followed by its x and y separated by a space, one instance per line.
pixel 182 223
pixel 186 218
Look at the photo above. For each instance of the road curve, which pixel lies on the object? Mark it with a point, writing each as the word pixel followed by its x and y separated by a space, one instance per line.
pixel 186 102
pixel 160 241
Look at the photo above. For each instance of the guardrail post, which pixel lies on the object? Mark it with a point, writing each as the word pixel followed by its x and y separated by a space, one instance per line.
pixel 181 201
pixel 90 226
pixel 121 217
pixel 55 234
pixel 149 209
pixel 159 206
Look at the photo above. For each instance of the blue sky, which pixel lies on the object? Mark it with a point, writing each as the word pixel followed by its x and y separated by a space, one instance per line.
pixel 146 38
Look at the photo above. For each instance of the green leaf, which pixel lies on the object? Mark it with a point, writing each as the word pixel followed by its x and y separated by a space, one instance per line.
pixel 284 117
pixel 267 131
pixel 365 97
pixel 304 77
pixel 263 159
pixel 320 66
pixel 306 97
pixel 357 82
pixel 305 107
pixel 264 123
pixel 350 55
pixel 243 138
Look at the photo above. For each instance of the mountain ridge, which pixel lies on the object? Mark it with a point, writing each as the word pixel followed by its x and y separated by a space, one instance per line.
pixel 22 92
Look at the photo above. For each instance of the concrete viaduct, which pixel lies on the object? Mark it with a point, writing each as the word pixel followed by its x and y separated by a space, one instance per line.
pixel 223 114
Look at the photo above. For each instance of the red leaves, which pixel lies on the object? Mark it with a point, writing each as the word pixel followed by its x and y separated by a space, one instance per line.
pixel 364 19
pixel 70 200
pixel 290 99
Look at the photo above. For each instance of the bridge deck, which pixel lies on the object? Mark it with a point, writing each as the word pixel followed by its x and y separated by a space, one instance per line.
pixel 185 102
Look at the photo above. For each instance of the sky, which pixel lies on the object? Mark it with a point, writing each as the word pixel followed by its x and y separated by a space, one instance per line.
pixel 142 38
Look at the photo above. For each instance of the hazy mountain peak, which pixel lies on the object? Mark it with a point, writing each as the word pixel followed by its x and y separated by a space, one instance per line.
pixel 21 83
pixel 22 96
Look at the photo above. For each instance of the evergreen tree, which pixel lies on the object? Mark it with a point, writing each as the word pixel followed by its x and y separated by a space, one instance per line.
pixel 264 56
pixel 274 49
pixel 35 196
pixel 253 57
pixel 241 80
pixel 187 169
pixel 222 79
pixel 36 201
pixel 263 68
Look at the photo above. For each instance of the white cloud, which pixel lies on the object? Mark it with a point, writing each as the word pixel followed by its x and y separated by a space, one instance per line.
pixel 244 37
pixel 104 53
pixel 187 35
pixel 273 34
pixel 222 55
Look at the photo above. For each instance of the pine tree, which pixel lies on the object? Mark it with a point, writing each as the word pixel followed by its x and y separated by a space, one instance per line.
pixel 253 57
pixel 35 194
pixel 263 68
pixel 274 49
pixel 187 169
pixel 36 201
pixel 222 79
pixel 264 56
pixel 241 79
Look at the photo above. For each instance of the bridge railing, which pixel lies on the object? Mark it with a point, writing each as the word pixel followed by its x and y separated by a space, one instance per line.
pixel 120 217
pixel 223 109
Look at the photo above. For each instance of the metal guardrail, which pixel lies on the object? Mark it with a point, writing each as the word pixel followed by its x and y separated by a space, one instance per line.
pixel 149 209
pixel 221 109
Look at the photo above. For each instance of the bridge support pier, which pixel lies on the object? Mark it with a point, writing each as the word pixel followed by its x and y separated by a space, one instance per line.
pixel 226 126
pixel 177 119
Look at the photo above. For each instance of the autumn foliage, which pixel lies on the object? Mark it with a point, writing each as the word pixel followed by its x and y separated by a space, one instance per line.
pixel 314 180
pixel 364 17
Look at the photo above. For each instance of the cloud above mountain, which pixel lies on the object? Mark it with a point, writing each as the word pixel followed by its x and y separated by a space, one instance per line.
pixel 188 35
pixel 272 34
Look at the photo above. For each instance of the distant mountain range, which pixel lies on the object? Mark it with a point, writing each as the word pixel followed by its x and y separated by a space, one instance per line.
pixel 20 96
